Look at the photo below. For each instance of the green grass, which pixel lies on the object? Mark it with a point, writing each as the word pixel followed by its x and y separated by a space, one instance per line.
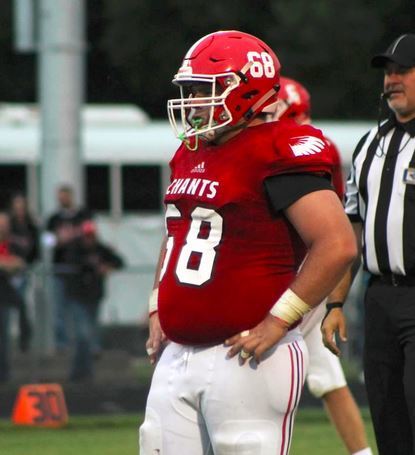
pixel 82 436
pixel 314 435
pixel 117 435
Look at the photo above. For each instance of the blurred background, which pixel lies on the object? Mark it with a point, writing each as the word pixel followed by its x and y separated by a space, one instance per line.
pixel 83 92
pixel 132 48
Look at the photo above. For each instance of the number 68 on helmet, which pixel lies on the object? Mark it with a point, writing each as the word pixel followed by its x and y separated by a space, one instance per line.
pixel 225 79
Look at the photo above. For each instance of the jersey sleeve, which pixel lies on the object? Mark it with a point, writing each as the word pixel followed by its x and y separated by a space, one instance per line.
pixel 300 149
pixel 337 173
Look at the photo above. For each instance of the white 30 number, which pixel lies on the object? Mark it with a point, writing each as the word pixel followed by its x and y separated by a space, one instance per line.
pixel 261 64
pixel 204 246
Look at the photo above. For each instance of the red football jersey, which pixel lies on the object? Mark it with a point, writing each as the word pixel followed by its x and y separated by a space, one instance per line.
pixel 337 173
pixel 228 257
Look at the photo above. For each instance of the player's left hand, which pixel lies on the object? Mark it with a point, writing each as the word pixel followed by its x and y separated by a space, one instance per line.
pixel 255 342
pixel 334 322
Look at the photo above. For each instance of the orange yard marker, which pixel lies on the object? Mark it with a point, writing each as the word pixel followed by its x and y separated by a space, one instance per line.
pixel 40 405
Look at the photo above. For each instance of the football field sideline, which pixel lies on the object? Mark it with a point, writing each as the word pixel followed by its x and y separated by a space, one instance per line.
pixel 118 435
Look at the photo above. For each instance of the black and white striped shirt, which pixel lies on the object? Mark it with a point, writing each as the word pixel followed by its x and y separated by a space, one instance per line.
pixel 381 193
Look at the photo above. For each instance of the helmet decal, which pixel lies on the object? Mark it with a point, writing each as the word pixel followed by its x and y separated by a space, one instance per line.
pixel 293 100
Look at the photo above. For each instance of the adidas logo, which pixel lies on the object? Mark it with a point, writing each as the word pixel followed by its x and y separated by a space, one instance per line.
pixel 200 168
pixel 307 145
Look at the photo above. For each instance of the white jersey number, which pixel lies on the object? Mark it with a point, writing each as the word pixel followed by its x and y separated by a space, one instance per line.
pixel 203 220
pixel 262 64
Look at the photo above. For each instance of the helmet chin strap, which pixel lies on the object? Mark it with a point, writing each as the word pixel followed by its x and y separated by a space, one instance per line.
pixel 260 102
pixel 215 135
pixel 196 124
pixel 209 136
pixel 188 144
pixel 219 133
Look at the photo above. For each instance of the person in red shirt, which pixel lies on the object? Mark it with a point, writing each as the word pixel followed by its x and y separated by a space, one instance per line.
pixel 246 201
pixel 10 264
pixel 325 377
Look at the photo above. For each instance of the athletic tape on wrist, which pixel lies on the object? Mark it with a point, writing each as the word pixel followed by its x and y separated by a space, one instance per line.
pixel 153 301
pixel 289 307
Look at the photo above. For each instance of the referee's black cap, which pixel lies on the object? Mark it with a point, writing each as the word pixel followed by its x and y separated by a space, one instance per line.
pixel 401 51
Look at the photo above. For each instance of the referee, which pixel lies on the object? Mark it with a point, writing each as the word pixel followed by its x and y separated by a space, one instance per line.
pixel 380 202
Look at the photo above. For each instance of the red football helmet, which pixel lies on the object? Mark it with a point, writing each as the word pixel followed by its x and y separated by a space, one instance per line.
pixel 226 78
pixel 293 100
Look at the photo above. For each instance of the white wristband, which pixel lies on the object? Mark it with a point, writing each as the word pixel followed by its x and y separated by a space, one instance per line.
pixel 153 301
pixel 289 307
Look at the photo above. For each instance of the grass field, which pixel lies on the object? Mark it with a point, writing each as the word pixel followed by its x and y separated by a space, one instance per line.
pixel 117 435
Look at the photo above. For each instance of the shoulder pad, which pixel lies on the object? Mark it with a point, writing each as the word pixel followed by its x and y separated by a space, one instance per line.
pixel 301 148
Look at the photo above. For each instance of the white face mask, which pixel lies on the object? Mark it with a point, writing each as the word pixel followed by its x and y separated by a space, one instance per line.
pixel 195 115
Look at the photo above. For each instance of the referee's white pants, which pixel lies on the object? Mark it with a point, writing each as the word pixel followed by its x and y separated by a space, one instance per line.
pixel 201 402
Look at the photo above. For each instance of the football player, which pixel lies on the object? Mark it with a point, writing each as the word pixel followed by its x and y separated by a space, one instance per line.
pixel 246 201
pixel 325 377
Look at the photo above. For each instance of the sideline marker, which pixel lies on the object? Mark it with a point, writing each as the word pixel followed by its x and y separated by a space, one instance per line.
pixel 40 405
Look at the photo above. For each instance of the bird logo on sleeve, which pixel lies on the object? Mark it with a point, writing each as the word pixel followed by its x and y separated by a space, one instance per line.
pixel 306 145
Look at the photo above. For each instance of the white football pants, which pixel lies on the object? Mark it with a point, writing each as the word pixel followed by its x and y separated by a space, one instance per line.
pixel 201 402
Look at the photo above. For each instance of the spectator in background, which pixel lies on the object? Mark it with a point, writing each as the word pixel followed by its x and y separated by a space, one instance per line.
pixel 91 261
pixel 325 377
pixel 65 226
pixel 10 264
pixel 24 240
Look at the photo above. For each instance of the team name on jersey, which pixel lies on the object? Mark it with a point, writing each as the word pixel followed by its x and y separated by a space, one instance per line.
pixel 195 187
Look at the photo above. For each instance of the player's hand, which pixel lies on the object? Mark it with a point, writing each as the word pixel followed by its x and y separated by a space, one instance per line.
pixel 255 342
pixel 334 322
pixel 156 340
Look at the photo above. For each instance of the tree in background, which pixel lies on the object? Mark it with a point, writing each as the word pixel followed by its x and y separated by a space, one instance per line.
pixel 327 45
pixel 135 46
